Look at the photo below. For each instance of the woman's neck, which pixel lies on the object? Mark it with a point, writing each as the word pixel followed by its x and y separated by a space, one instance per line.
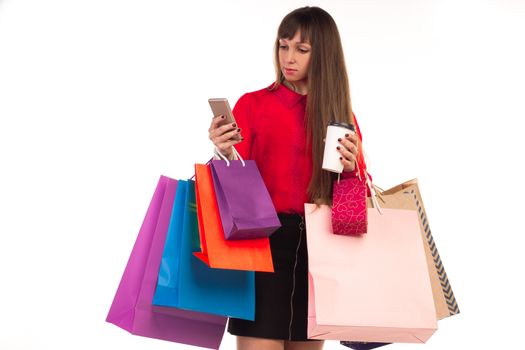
pixel 300 87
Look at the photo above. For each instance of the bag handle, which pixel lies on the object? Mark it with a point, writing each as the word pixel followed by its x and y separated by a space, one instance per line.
pixel 208 162
pixel 369 183
pixel 362 167
pixel 216 151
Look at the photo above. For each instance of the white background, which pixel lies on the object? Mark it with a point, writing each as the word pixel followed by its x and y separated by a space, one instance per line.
pixel 98 98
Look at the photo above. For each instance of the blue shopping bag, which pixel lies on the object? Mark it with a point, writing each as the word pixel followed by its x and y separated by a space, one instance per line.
pixel 186 282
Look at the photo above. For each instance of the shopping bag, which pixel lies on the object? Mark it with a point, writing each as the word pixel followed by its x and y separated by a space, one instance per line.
pixel 132 309
pixel 349 214
pixel 372 288
pixel 245 206
pixel 362 345
pixel 185 282
pixel 408 196
pixel 216 251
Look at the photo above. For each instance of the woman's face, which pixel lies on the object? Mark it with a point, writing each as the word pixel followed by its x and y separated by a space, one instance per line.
pixel 294 58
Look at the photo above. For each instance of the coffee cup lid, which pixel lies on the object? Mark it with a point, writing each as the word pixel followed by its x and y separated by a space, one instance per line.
pixel 343 124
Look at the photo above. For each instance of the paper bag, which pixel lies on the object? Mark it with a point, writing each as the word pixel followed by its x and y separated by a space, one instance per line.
pixel 132 309
pixel 216 251
pixel 185 282
pixel 407 196
pixel 371 288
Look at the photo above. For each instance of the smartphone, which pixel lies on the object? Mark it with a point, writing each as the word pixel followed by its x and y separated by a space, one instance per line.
pixel 220 106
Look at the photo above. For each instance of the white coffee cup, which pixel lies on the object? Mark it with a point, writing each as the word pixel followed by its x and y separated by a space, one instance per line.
pixel 335 131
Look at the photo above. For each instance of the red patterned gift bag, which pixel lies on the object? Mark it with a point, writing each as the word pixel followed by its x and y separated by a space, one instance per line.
pixel 349 214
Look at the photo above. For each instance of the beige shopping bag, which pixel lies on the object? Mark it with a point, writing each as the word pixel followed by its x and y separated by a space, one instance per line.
pixel 407 196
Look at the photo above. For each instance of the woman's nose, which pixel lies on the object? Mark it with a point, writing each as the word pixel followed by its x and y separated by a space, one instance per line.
pixel 290 56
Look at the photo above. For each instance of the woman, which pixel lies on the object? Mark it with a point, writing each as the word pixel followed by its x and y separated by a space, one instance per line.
pixel 283 130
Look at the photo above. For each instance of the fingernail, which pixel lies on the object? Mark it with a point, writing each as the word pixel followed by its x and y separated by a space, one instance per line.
pixel 339 140
pixel 338 147
pixel 234 125
pixel 346 135
pixel 340 158
pixel 222 117
pixel 238 130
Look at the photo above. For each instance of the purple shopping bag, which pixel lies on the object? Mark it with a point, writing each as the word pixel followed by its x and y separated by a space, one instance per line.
pixel 245 206
pixel 132 307
pixel 356 345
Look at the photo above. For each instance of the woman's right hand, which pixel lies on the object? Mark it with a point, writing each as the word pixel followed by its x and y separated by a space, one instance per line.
pixel 224 137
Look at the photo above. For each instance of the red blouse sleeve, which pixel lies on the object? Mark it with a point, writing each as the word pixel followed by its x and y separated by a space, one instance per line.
pixel 243 117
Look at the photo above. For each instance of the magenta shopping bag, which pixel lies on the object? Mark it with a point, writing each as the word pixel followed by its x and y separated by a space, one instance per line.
pixel 132 308
pixel 245 206
pixel 349 212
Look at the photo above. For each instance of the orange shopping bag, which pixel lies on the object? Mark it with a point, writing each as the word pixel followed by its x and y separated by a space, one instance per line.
pixel 216 251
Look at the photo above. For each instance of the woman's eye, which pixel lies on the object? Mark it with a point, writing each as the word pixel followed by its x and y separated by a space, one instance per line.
pixel 303 50
pixel 283 46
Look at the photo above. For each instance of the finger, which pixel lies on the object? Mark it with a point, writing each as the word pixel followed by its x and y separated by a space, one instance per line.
pixel 347 165
pixel 216 121
pixel 346 154
pixel 352 137
pixel 227 136
pixel 350 146
pixel 221 130
pixel 226 145
pixel 217 124
pixel 233 142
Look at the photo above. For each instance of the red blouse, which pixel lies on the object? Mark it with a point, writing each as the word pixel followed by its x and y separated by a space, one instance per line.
pixel 274 131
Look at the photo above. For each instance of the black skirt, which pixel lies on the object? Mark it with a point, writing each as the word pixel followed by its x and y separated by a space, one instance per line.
pixel 281 297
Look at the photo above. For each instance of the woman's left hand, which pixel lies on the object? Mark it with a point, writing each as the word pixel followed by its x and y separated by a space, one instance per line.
pixel 348 150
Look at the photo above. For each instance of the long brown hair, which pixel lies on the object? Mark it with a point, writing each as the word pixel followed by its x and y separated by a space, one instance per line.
pixel 328 88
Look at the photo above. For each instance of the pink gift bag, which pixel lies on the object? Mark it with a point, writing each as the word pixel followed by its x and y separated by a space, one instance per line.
pixel 349 214
pixel 371 288
pixel 132 307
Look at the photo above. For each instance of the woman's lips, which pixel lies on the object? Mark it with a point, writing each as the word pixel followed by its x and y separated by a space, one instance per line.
pixel 290 71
